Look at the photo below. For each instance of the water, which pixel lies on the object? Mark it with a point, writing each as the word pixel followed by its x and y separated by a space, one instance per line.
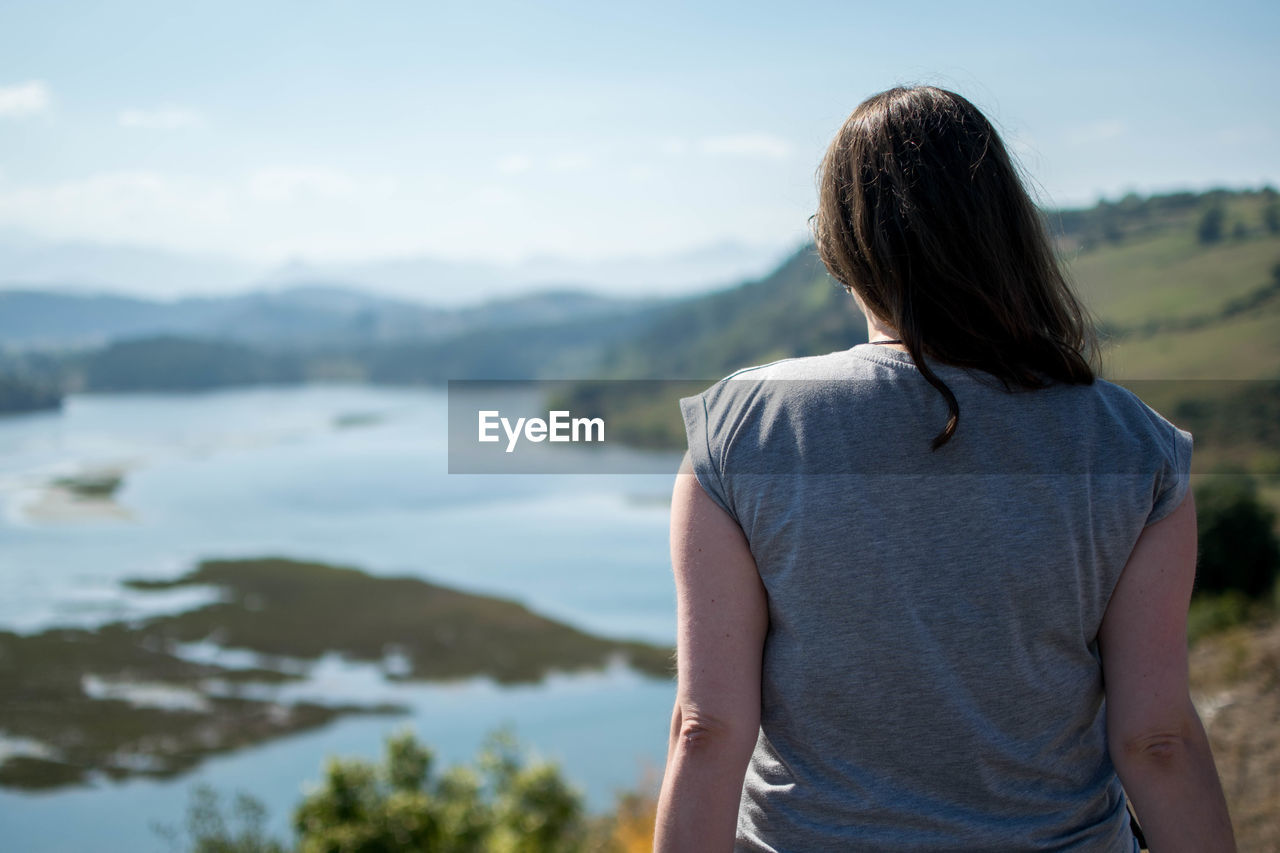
pixel 349 475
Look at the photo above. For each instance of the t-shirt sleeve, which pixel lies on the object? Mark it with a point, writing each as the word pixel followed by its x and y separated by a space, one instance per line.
pixel 1174 476
pixel 706 462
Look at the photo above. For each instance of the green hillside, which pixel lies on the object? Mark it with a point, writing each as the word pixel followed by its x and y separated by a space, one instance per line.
pixel 1170 276
pixel 1193 324
pixel 1175 307
pixel 796 310
pixel 1138 264
pixel 1184 286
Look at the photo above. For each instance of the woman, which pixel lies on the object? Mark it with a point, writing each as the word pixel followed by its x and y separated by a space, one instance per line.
pixel 904 570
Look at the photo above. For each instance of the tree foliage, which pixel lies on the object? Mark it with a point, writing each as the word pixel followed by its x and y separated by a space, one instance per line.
pixel 171 363
pixel 502 804
pixel 1239 551
pixel 1271 218
pixel 22 394
pixel 212 831
pixel 1212 224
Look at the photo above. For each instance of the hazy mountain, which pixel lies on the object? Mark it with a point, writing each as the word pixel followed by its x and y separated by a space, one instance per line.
pixel 445 282
pixel 1176 300
pixel 31 263
pixel 138 271
pixel 797 309
pixel 316 313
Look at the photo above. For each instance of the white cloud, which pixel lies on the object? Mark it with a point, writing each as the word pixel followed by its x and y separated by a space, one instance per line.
pixel 1098 131
pixel 514 164
pixel 289 184
pixel 571 162
pixel 762 145
pixel 114 205
pixel 167 118
pixel 568 161
pixel 641 172
pixel 325 212
pixel 24 99
pixel 1021 145
pixel 491 196
pixel 265 212
pixel 673 146
pixel 1254 135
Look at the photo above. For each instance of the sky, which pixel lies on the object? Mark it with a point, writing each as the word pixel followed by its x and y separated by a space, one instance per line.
pixel 344 132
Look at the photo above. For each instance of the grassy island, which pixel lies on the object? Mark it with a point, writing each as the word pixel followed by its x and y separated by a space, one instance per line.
pixel 278 608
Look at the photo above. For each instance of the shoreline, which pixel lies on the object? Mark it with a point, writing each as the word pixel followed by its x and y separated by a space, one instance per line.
pixel 135 699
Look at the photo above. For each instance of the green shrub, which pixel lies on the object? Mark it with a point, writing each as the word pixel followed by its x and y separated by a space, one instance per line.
pixel 501 804
pixel 212 832
pixel 1211 613
pixel 1238 546
pixel 398 805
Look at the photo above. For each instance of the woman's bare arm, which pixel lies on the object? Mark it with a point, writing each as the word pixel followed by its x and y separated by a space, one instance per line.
pixel 1156 739
pixel 722 615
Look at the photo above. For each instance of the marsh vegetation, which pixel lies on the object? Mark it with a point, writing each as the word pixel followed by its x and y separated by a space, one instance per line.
pixel 128 699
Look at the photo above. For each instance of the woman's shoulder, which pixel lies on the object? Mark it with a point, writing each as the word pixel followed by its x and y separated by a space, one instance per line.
pixel 1126 406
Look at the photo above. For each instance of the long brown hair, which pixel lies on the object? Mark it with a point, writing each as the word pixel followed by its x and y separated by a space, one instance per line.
pixel 922 215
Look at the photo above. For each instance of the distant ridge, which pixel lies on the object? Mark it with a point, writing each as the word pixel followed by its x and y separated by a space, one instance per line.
pixel 310 314
pixel 30 262
pixel 1185 286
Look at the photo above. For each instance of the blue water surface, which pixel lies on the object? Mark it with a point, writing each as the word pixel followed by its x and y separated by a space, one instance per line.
pixel 341 474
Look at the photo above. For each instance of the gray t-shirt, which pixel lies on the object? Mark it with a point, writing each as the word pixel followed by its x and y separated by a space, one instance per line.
pixel 931 677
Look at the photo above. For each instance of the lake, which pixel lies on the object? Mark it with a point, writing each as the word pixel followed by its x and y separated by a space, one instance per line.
pixel 339 474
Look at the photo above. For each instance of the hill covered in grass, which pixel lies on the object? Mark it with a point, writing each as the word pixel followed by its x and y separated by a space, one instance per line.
pixel 1155 282
pixel 1172 302
pixel 1176 301
pixel 129 698
pixel 1185 287
pixel 796 310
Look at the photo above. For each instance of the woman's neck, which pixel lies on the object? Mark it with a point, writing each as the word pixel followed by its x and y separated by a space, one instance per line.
pixel 878 331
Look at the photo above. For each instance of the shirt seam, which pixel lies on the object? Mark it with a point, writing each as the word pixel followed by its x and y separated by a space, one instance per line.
pixel 880 359
pixel 939 368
